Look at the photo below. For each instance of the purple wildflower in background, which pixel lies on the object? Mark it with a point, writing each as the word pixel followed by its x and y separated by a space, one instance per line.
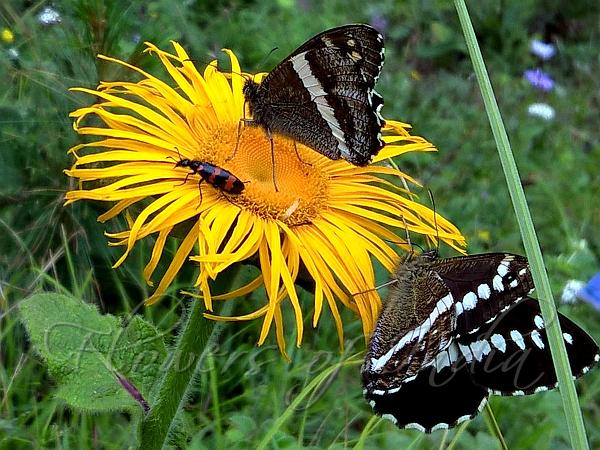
pixel 539 79
pixel 379 22
pixel 542 50
pixel 591 292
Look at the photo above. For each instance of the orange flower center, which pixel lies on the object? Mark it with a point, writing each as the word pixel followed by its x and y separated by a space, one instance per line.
pixel 283 181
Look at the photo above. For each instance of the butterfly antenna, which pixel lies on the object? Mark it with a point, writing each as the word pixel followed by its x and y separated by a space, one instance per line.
pixel 407 234
pixel 437 230
pixel 214 63
pixel 376 288
pixel 265 59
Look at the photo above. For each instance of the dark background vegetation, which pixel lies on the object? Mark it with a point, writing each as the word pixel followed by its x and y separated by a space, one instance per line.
pixel 427 81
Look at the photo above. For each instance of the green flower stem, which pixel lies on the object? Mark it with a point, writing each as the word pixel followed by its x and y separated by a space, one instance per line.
pixel 532 249
pixel 186 358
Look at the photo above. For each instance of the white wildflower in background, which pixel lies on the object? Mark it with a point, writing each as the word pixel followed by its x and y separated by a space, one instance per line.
pixel 49 16
pixel 13 54
pixel 569 293
pixel 542 110
pixel 542 50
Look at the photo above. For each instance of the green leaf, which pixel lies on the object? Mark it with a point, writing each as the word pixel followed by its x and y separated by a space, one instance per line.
pixel 85 351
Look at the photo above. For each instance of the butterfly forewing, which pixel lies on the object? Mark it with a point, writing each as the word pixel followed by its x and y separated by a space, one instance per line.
pixel 292 111
pixel 483 286
pixel 322 95
pixel 360 43
pixel 414 326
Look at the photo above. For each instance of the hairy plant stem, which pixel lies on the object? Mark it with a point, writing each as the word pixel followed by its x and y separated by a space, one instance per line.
pixel 185 360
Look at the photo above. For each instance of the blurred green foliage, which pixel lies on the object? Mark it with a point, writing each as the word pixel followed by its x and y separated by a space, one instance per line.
pixel 427 81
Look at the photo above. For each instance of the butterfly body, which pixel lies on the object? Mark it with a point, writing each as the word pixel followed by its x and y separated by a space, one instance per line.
pixel 323 96
pixel 213 175
pixel 456 330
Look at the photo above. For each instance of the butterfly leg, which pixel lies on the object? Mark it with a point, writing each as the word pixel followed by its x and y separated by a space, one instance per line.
pixel 272 159
pixel 237 141
pixel 298 155
pixel 239 133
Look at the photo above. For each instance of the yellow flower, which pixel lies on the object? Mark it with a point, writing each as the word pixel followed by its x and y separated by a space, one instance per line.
pixel 7 36
pixel 328 218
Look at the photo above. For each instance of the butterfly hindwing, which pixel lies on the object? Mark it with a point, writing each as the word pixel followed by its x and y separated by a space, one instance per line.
pixel 433 399
pixel 511 356
pixel 322 95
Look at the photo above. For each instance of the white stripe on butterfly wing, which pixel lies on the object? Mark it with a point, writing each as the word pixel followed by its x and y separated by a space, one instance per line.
pixel 518 339
pixel 314 87
pixel 443 305
pixel 499 342
pixel 536 337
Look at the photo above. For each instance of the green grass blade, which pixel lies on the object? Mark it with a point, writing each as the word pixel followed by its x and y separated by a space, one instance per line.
pixel 494 428
pixel 370 426
pixel 266 441
pixel 532 249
